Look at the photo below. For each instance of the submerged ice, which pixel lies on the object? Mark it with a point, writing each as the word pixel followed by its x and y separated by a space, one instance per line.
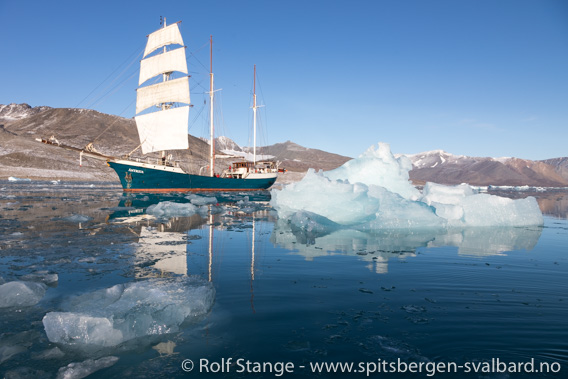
pixel 21 293
pixel 111 316
pixel 374 192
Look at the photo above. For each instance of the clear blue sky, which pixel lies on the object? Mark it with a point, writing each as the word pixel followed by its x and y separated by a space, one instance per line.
pixel 472 77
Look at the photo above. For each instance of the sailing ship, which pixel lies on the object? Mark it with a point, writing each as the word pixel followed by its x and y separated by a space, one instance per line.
pixel 166 129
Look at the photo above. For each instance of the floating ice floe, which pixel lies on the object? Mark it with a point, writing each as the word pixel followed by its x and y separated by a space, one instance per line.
pixel 77 218
pixel 201 200
pixel 21 294
pixel 42 276
pixel 14 179
pixel 77 370
pixel 373 192
pixel 111 316
pixel 172 209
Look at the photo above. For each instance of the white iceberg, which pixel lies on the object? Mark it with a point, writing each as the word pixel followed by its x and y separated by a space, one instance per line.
pixel 373 192
pixel 461 206
pixel 21 294
pixel 111 316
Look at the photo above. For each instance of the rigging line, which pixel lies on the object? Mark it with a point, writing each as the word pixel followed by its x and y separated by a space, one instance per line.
pixel 107 94
pixel 112 73
pixel 192 54
pixel 115 120
pixel 112 90
pixel 196 117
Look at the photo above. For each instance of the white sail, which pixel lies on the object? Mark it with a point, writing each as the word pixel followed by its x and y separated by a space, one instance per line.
pixel 170 61
pixel 176 90
pixel 163 130
pixel 162 37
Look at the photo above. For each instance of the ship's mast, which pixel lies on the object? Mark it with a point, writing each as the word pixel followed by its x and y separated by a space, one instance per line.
pixel 212 130
pixel 254 115
pixel 165 78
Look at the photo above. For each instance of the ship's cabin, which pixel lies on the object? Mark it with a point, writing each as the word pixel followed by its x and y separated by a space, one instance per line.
pixel 243 169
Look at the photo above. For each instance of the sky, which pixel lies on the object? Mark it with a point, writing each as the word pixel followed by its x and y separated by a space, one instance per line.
pixel 471 77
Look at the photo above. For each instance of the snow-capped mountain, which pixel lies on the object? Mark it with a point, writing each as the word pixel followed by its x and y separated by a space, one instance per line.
pixel 226 144
pixel 442 167
pixel 12 112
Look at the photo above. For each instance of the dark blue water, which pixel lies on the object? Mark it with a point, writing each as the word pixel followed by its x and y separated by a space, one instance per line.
pixel 443 303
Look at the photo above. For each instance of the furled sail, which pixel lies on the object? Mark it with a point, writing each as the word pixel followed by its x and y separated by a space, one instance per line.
pixel 152 127
pixel 165 129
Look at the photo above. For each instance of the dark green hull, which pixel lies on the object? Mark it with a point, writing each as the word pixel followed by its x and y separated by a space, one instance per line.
pixel 143 179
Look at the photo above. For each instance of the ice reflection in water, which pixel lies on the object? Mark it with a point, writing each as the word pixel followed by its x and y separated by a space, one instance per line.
pixel 282 292
pixel 377 248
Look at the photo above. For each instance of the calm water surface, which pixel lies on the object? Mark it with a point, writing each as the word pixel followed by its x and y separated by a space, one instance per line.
pixel 466 296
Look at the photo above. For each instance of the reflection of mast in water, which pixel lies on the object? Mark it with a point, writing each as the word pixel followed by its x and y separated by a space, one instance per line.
pixel 252 269
pixel 210 244
pixel 168 250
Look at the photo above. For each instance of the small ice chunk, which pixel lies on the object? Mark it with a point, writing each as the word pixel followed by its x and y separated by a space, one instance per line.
pixel 21 294
pixel 78 370
pixel 70 328
pixel 201 200
pixel 41 276
pixel 8 351
pixel 53 353
pixel 15 179
pixel 172 209
pixel 123 312
pixel 77 218
pixel 165 348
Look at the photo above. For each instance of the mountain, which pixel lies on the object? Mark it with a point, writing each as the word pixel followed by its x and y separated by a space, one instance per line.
pixel 442 167
pixel 226 144
pixel 22 156
pixel 12 112
pixel 298 158
pixel 291 155
pixel 560 165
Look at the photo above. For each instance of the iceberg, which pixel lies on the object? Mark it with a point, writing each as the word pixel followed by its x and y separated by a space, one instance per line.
pixel 21 294
pixel 373 192
pixel 461 206
pixel 111 316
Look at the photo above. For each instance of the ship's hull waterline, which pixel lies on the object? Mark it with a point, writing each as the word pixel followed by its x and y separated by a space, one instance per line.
pixel 148 179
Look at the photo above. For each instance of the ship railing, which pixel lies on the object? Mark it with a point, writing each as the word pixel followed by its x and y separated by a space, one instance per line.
pixel 156 161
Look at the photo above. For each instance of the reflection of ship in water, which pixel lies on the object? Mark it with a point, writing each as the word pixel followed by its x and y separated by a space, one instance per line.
pixel 186 245
pixel 132 205
pixel 379 247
